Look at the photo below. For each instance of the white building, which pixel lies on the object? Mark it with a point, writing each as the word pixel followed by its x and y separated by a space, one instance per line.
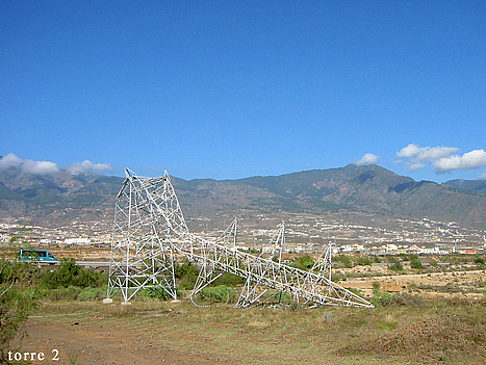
pixel 77 241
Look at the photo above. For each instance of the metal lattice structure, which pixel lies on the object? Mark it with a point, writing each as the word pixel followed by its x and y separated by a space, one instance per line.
pixel 150 233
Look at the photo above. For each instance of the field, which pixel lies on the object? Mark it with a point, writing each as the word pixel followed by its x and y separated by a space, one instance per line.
pixel 432 314
pixel 467 284
pixel 152 331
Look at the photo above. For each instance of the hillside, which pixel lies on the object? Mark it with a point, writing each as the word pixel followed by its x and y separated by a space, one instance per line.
pixel 475 186
pixel 371 189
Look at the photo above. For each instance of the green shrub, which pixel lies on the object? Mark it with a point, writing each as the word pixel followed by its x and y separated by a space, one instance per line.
pixel 20 272
pixel 158 292
pixel 228 280
pixel 186 271
pixel 15 306
pixel 362 261
pixel 218 294
pixel 155 293
pixel 91 294
pixel 479 260
pixel 303 262
pixel 306 262
pixel 415 263
pixel 282 297
pixel 37 293
pixel 70 274
pixel 187 275
pixel 396 266
pixel 61 293
pixel 381 298
pixel 186 284
pixel 345 260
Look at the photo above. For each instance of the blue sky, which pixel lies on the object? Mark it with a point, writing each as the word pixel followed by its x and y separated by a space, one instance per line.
pixel 230 89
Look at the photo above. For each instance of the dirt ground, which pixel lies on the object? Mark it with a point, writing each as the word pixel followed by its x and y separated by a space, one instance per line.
pixel 157 332
pixel 86 340
pixel 399 283
pixel 183 334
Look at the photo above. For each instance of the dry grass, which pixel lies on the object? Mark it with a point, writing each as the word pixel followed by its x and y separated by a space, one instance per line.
pixel 451 331
pixel 445 338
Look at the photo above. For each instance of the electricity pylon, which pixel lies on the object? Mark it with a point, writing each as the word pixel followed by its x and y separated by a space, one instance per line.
pixel 150 232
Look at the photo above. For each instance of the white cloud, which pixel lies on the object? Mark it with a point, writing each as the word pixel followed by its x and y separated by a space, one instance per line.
pixel 48 167
pixel 39 167
pixel 469 160
pixel 86 167
pixel 482 176
pixel 428 153
pixel 411 150
pixel 28 166
pixel 367 159
pixel 415 166
pixel 10 161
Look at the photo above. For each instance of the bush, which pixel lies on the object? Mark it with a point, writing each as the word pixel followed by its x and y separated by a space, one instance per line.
pixel 186 284
pixel 306 262
pixel 303 262
pixel 155 293
pixel 282 297
pixel 69 293
pixel 218 294
pixel 415 263
pixel 20 272
pixel 345 260
pixel 380 298
pixel 362 261
pixel 376 259
pixel 187 275
pixel 228 280
pixel 186 271
pixel 396 266
pixel 479 260
pixel 69 274
pixel 91 294
pixel 15 306
pixel 407 299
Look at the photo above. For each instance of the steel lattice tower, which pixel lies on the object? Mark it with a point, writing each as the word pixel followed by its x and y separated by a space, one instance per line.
pixel 140 257
pixel 150 232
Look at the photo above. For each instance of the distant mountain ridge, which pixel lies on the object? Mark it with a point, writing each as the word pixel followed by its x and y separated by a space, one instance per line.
pixel 474 186
pixel 371 189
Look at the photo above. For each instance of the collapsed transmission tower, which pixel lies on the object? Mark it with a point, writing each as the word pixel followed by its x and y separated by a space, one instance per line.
pixel 150 234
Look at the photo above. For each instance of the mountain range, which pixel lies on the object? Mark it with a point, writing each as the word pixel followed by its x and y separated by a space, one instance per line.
pixel 370 189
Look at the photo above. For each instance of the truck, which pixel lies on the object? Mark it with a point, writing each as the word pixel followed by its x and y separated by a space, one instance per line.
pixel 37 256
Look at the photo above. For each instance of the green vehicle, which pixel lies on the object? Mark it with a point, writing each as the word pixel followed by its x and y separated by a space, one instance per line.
pixel 37 256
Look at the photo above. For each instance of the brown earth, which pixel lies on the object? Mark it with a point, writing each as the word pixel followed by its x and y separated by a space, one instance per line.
pixel 155 332
pixel 89 340
pixel 399 283
pixel 148 333
pixel 432 340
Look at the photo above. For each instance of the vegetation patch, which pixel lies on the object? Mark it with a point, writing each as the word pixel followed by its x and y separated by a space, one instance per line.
pixel 443 338
pixel 218 294
pixel 69 274
pixel 15 306
pixel 91 294
pixel 381 298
